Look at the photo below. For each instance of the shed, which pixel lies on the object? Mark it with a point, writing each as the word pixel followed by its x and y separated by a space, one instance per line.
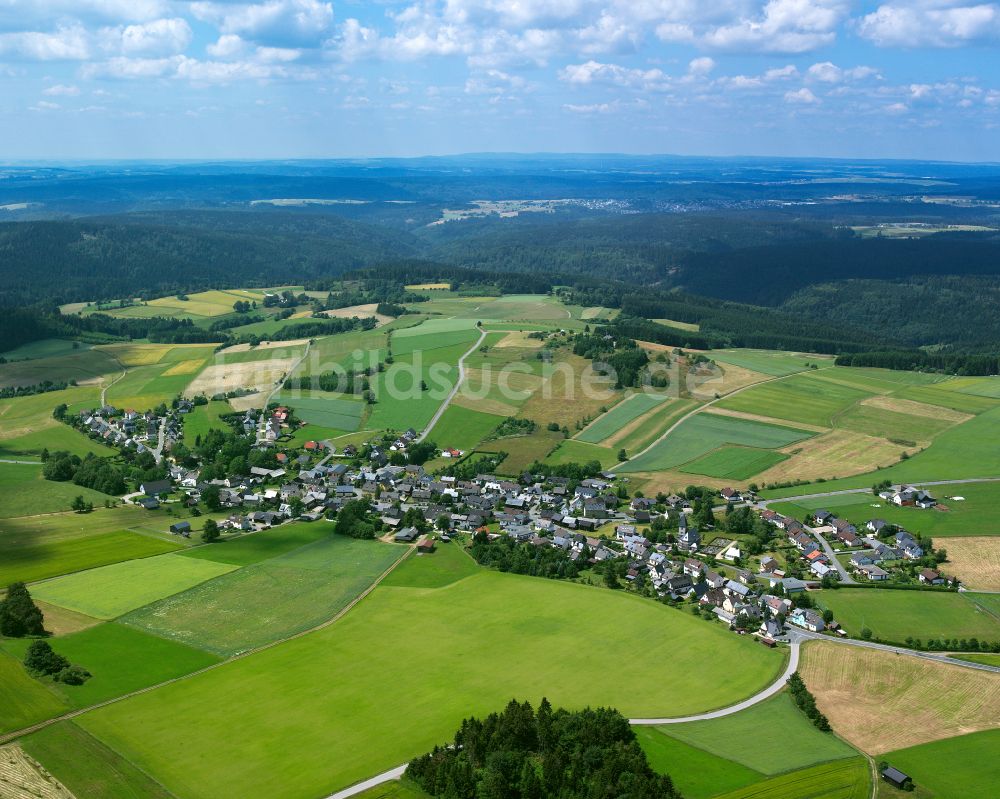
pixel 426 544
pixel 180 527
pixel 895 777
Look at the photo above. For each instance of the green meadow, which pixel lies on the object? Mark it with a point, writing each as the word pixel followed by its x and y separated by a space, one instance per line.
pixel 736 463
pixel 376 700
pixel 898 615
pixel 333 411
pixel 800 398
pixel 23 699
pixel 24 491
pixel 462 428
pixel 110 591
pixel 768 362
pixel 448 564
pixel 616 418
pixel 204 418
pixel 842 779
pixel 255 547
pixel 28 426
pixel 954 768
pixel 81 365
pixel 705 432
pixel 269 600
pixel 120 660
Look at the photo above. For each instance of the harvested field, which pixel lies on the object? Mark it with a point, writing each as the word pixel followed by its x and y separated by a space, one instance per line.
pixel 220 378
pixel 184 367
pixel 22 777
pixel 730 379
pixel 756 417
pixel 838 453
pixel 264 345
pixel 914 408
pixel 60 621
pixel 880 701
pixel 360 311
pixel 975 560
pixel 519 339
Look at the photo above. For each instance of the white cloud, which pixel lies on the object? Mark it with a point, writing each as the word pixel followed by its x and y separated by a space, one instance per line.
pixel 701 66
pixel 160 37
pixel 782 26
pixel 801 96
pixel 25 14
pixel 45 105
pixel 68 43
pixel 614 74
pixel 278 23
pixel 228 45
pixel 828 72
pixel 61 90
pixel 931 23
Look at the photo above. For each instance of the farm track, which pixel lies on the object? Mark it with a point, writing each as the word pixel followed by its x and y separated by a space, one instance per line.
pixel 104 389
pixel 10 736
pixel 458 384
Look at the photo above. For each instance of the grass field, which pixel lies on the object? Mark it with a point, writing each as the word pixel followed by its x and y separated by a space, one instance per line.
pixel 703 433
pixel 639 434
pixel 801 398
pixel 696 773
pixel 757 751
pixel 81 365
pixel 860 689
pixel 326 410
pixel 898 615
pixel 87 767
pixel 461 428
pixel 144 387
pixel 32 554
pixel 401 403
pixel 522 451
pixel 440 655
pixel 23 699
pixel 24 491
pixel 987 659
pixel 736 463
pixel 627 410
pixel 110 591
pixel 256 547
pixel 883 423
pixel 768 362
pixel 956 768
pixel 842 779
pixel 270 600
pixel 204 418
pixel 572 451
pixel 27 426
pixel 46 348
pixel 120 659
pixel 447 565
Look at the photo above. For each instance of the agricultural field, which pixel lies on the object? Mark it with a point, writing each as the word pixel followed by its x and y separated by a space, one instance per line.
pixel 146 386
pixel 897 615
pixel 486 626
pixel 462 429
pixel 269 600
pixel 67 543
pixel 84 366
pixel 975 514
pixel 46 348
pixel 955 768
pixel 619 416
pixel 447 565
pixel 757 751
pixel 571 450
pixel 27 426
pixel 570 391
pixel 24 491
pixel 768 362
pixel 842 779
pixel 522 451
pixel 120 660
pixel 704 432
pixel 250 548
pixel 23 699
pixel 204 418
pixel 330 411
pixel 735 463
pixel 987 659
pixel 859 689
pixel 87 767
pixel 698 774
pixel 109 591
pixel 800 398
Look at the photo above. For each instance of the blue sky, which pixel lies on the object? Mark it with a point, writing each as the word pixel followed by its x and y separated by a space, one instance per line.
pixel 89 79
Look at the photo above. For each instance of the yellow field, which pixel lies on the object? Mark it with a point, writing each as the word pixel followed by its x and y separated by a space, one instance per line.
pixel 975 560
pixel 521 340
pixel 220 378
pixel 839 453
pixel 917 409
pixel 571 391
pixel 21 777
pixel 428 286
pixel 137 354
pixel 881 701
pixel 360 311
pixel 185 367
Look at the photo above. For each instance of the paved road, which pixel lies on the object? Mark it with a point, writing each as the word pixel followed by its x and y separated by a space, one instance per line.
pixel 361 787
pixel 104 390
pixel 454 391
pixel 160 438
pixel 22 463
pixel 917 483
pixel 845 577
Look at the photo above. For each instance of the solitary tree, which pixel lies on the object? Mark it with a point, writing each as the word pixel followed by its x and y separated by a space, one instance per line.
pixel 210 532
pixel 19 615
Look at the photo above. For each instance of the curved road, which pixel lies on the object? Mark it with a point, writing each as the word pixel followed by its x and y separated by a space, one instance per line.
pixel 454 390
pixel 763 503
pixel 845 577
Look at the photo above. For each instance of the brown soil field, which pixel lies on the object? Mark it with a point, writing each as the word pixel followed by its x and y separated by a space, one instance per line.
pixel 360 311
pixel 839 453
pixel 974 559
pixel 60 621
pixel 881 701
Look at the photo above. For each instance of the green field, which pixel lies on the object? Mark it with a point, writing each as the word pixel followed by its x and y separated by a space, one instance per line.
pixel 898 615
pixel 965 451
pixel 270 600
pixel 28 554
pixel 955 768
pixel 985 659
pixel 396 789
pixel 46 348
pixel 705 432
pixel 759 751
pixel 87 767
pixel 23 699
pixel 801 398
pixel 978 513
pixel 84 364
pixel 522 451
pixel 736 463
pixel 120 659
pixel 842 779
pixel 439 655
pixel 768 362
pixel 461 428
pixel 110 591
pixel 325 410
pixel 24 491
pixel 448 564
pixel 400 401
pixel 573 451
pixel 942 395
pixel 255 547
pixel 144 387
pixel 204 418
pixel 653 425
pixel 696 773
pixel 976 386
pixel 881 423
pixel 615 419
pixel 27 426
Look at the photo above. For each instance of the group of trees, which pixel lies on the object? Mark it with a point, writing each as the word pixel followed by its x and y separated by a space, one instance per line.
pixel 806 702
pixel 41 661
pixel 356 520
pixel 614 355
pixel 507 555
pixel 19 615
pixel 100 474
pixel 549 754
pixel 744 522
